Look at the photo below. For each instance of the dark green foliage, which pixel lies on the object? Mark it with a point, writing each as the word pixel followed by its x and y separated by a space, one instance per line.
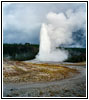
pixel 28 51
pixel 20 51
pixel 76 54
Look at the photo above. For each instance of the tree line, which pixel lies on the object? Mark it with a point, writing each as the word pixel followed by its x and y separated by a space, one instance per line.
pixel 28 51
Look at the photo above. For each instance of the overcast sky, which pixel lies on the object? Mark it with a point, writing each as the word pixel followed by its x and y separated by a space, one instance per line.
pixel 22 21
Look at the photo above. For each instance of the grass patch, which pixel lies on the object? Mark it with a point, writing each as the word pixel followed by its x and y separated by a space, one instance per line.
pixel 31 72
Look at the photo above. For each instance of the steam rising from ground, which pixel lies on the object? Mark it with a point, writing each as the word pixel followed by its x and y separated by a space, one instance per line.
pixel 57 31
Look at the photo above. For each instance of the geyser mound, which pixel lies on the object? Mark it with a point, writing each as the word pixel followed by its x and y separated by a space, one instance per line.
pixel 57 31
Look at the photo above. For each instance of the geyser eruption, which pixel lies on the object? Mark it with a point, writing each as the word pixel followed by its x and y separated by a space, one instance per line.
pixel 47 52
pixel 45 43
pixel 58 30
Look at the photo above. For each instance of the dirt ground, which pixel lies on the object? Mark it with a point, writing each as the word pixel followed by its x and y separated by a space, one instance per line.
pixel 33 79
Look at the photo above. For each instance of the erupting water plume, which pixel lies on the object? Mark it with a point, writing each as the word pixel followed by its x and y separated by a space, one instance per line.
pixel 47 52
pixel 57 31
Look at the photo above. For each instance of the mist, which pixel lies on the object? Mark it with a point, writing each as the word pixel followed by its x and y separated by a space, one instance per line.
pixel 57 30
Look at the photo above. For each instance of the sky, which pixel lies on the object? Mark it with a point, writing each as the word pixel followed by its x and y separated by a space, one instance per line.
pixel 22 21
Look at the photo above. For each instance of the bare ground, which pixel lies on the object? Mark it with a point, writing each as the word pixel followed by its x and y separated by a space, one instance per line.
pixel 57 80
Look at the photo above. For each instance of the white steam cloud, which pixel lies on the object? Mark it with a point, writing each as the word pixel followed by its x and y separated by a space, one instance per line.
pixel 58 30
